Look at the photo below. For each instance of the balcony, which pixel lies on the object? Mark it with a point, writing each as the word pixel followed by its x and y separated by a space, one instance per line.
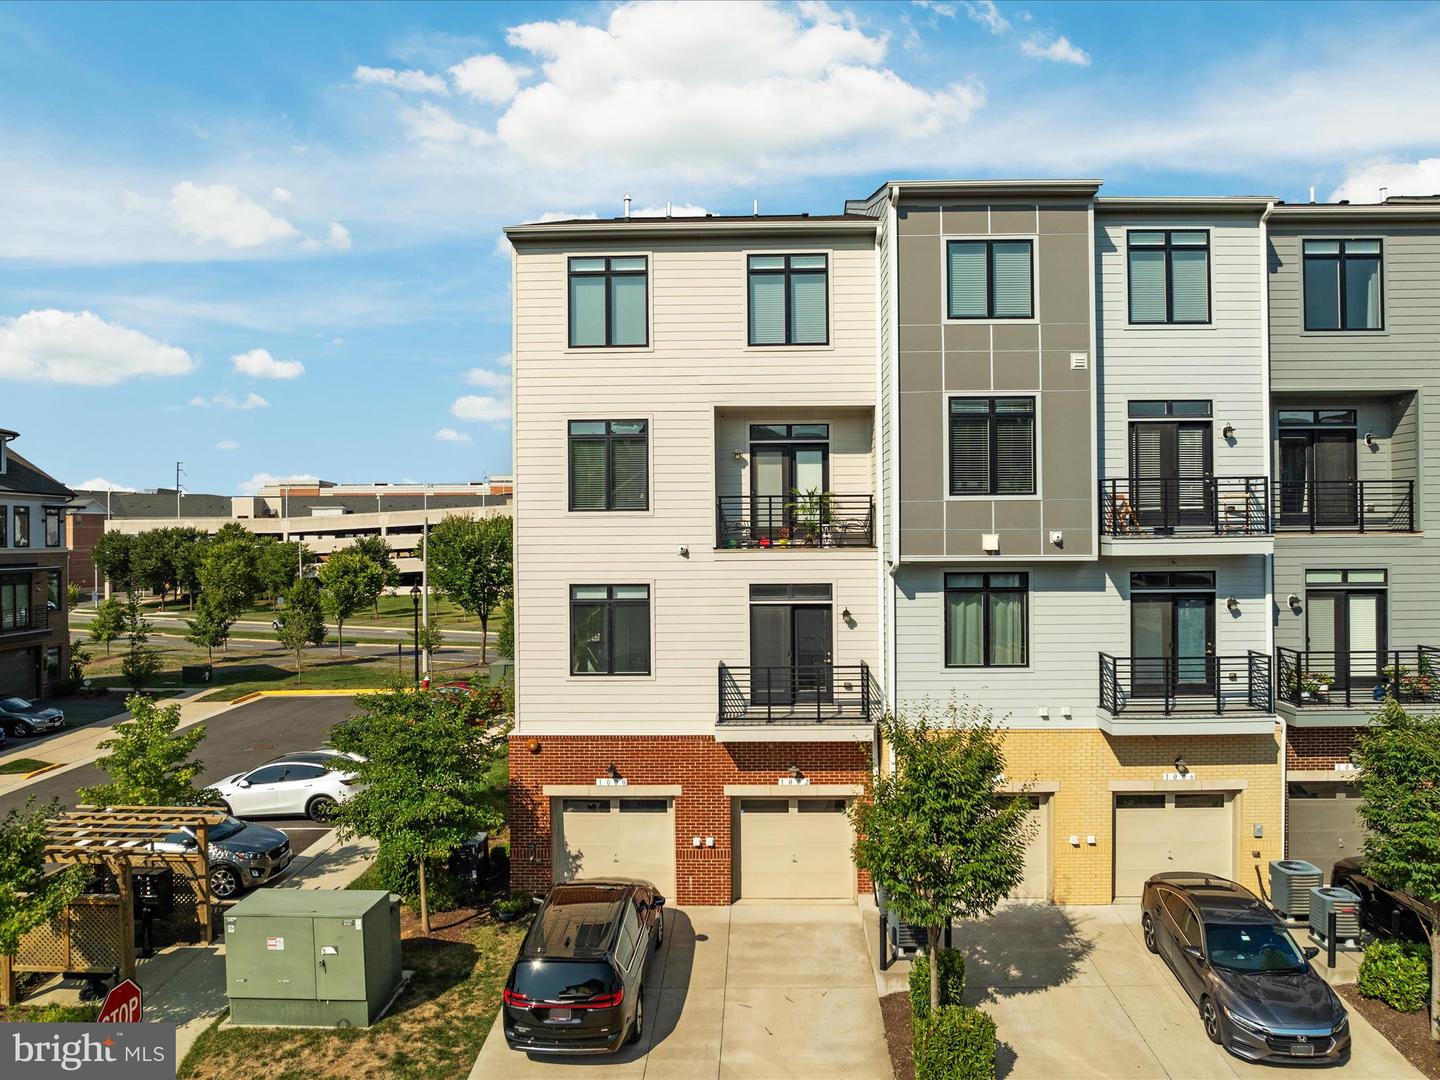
pixel 1146 509
pixel 770 522
pixel 1186 686
pixel 34 620
pixel 814 697
pixel 1357 679
pixel 1381 506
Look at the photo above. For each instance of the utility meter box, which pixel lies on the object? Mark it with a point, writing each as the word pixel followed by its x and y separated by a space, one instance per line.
pixel 311 957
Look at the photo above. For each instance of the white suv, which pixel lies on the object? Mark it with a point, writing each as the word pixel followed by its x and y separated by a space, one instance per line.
pixel 289 786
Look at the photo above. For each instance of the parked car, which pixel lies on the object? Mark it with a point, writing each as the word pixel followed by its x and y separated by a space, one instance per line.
pixel 1387 912
pixel 576 987
pixel 291 785
pixel 21 717
pixel 242 855
pixel 1257 993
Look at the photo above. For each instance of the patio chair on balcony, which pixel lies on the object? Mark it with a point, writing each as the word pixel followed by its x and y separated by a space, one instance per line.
pixel 855 531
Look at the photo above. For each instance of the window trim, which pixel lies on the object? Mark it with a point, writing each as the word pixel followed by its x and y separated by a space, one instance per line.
pixel 21 537
pixel 57 514
pixel 4 525
pixel 607 438
pixel 985 590
pixel 608 275
pixel 1034 492
pixel 786 272
pixel 609 602
pixel 989 241
pixel 1341 257
pixel 1168 248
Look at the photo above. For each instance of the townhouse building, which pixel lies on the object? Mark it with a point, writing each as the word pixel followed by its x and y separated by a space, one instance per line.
pixel 34 628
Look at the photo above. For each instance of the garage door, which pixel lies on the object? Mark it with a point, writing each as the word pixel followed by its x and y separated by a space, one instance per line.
pixel 1157 833
pixel 1035 885
pixel 17 673
pixel 1324 823
pixel 598 838
pixel 795 849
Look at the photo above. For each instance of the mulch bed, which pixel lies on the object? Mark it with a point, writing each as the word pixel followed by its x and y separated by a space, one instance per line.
pixel 445 925
pixel 1407 1032
pixel 895 1011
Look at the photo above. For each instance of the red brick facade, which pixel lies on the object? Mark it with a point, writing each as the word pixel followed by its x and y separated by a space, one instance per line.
pixel 700 765
pixel 1319 748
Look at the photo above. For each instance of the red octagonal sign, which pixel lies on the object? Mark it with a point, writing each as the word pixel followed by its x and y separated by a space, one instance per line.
pixel 122 1004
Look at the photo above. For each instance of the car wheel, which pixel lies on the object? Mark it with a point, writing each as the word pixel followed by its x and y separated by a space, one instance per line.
pixel 1147 923
pixel 1210 1015
pixel 659 929
pixel 637 1027
pixel 24 728
pixel 321 808
pixel 224 881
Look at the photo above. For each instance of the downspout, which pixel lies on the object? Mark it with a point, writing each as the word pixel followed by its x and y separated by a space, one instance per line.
pixel 1270 558
pixel 892 690
pixel 877 435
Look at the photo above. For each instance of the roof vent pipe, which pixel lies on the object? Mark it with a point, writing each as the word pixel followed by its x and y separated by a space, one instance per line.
pixel 627 204
pixel 756 208
pixel 667 207
pixel 1384 193
pixel 1312 196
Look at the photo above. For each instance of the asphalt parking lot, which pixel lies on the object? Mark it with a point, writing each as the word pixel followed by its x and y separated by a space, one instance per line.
pixel 236 739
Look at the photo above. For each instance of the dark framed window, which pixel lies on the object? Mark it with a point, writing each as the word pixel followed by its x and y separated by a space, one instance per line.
pixel 990 279
pixel 992 446
pixel 609 465
pixel 1315 417
pixel 22 526
pixel 1173 579
pixel 53 593
pixel 52 663
pixel 14 603
pixel 1142 410
pixel 610 630
pixel 789 432
pixel 54 516
pixel 1344 285
pixel 1375 578
pixel 986 620
pixel 609 302
pixel 789 298
pixel 1169 276
pixel 4 526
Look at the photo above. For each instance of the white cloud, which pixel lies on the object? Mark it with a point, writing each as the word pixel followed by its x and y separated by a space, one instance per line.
pixel 506 359
pixel 490 380
pixel 220 212
pixel 99 483
pixel 259 364
pixel 985 13
pixel 942 9
pixel 1363 184
pixel 338 237
pixel 227 444
pixel 337 342
pixel 82 349
pixel 230 401
pixel 414 82
pixel 265 479
pixel 676 210
pixel 487 78
pixel 439 127
pixel 450 435
pixel 481 408
pixel 281 195
pixel 1057 49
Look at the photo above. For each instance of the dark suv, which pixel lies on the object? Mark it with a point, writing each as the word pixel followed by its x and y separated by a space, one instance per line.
pixel 1258 995
pixel 576 985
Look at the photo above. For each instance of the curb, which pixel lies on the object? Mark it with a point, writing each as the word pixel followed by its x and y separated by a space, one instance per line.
pixel 43 769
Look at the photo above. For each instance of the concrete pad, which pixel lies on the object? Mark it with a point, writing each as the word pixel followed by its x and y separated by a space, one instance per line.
pixel 834 1033
pixel 697 944
pixel 685 1035
pixel 498 1062
pixel 1173 1032
pixel 792 952
pixel 1073 1032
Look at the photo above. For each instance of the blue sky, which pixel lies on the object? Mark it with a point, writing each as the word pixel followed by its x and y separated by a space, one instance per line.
pixel 263 239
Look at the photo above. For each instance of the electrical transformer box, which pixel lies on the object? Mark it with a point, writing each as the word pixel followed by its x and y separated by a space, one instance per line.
pixel 311 957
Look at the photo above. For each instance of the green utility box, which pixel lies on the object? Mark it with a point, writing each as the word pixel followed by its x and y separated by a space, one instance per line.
pixel 311 957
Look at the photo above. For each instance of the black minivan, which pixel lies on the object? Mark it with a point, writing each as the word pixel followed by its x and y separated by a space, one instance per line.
pixel 576 985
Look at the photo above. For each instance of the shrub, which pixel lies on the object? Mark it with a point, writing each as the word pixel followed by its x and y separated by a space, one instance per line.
pixel 955 1042
pixel 517 903
pixel 402 877
pixel 952 981
pixel 1396 972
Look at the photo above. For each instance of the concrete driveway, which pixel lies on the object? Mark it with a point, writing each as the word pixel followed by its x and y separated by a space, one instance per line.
pixel 751 992
pixel 1075 994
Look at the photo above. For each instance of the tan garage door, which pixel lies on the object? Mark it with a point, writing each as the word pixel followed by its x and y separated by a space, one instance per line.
pixel 619 837
pixel 17 670
pixel 1036 883
pixel 795 849
pixel 1324 823
pixel 1157 833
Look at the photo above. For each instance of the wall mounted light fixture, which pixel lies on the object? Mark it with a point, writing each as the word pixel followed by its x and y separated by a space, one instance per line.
pixel 1292 601
pixel 1228 431
pixel 1370 440
pixel 1180 766
pixel 1233 604
pixel 613 772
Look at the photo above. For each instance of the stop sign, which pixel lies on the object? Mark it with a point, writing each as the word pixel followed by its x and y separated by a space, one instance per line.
pixel 122 1004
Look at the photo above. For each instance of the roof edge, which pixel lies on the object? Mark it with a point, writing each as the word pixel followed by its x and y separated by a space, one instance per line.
pixel 652 227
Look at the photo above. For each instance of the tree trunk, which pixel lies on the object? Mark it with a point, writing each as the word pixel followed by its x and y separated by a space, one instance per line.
pixel 1435 984
pixel 339 638
pixel 424 903
pixel 934 935
pixel 484 639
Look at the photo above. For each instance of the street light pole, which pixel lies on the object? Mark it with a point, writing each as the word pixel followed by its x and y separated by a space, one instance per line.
pixel 425 561
pixel 415 603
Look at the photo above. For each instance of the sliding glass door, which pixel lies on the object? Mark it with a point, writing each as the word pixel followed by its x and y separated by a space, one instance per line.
pixel 1172 640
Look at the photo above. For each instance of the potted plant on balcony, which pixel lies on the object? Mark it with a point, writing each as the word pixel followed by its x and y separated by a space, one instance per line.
pixel 1315 684
pixel 812 511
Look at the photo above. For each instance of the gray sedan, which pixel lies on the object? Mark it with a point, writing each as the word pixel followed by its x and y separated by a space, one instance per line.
pixel 21 717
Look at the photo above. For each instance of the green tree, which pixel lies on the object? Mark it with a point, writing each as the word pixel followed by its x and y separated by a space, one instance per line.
pixel 505 627
pixel 1398 756
pixel 152 561
pixel 228 572
pixel 471 562
pixel 431 638
pixel 377 551
pixel 141 662
pixel 303 621
pixel 349 580
pixel 428 778
pixel 109 621
pixel 111 556
pixel 278 565
pixel 29 896
pixel 79 657
pixel 187 551
pixel 72 596
pixel 210 627
pixel 940 834
pixel 148 762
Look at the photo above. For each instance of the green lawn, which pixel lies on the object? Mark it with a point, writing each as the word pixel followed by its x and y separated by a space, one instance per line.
pixel 49 1014
pixel 394 611
pixel 21 765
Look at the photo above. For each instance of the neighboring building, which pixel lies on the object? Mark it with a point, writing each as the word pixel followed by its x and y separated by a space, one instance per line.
pixel 34 626
pixel 92 508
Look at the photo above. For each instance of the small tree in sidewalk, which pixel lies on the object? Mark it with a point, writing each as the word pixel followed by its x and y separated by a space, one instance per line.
pixel 941 834
pixel 1398 756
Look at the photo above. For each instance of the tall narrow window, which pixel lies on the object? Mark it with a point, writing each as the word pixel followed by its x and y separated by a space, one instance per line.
pixel 53 517
pixel 608 302
pixel 609 465
pixel 789 300
pixel 990 279
pixel 22 526
pixel 985 620
pixel 1343 285
pixel 1169 276
pixel 14 603
pixel 4 526
pixel 610 630
pixel 992 446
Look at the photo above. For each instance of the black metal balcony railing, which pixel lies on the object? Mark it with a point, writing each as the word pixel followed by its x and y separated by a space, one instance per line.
pixel 795 695
pixel 1358 678
pixel 1209 506
pixel 25 621
pixel 1345 505
pixel 1195 685
pixel 786 521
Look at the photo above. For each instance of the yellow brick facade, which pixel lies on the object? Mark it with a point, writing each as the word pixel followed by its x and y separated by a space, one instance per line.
pixel 1085 762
